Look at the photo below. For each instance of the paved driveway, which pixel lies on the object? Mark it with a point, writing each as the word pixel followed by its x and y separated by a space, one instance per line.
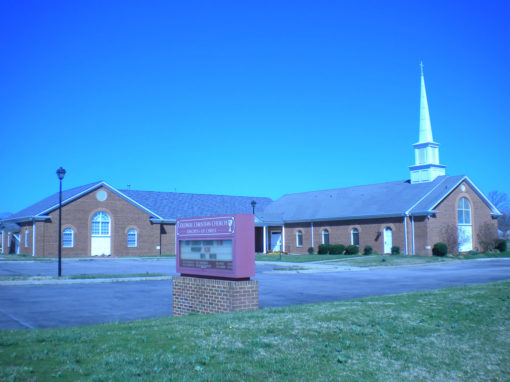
pixel 57 305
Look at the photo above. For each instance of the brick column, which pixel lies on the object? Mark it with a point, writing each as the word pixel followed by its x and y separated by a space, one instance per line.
pixel 201 295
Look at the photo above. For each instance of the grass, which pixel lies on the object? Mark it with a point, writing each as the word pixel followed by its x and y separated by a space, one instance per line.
pixel 453 334
pixel 80 277
pixel 375 260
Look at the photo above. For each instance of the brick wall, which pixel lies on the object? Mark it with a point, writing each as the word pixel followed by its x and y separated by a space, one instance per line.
pixel 200 295
pixel 124 215
pixel 370 233
pixel 447 214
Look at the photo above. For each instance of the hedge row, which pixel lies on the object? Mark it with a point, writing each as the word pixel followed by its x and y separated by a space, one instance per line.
pixel 338 249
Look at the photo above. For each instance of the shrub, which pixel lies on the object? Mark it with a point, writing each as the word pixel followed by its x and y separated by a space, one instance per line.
pixel 323 249
pixel 351 250
pixel 501 245
pixel 367 250
pixel 440 249
pixel 395 250
pixel 336 249
pixel 473 253
pixel 310 250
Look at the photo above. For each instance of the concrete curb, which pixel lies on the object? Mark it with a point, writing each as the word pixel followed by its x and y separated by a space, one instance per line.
pixel 80 281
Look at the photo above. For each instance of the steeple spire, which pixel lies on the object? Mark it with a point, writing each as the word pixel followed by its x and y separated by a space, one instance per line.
pixel 426 167
pixel 425 127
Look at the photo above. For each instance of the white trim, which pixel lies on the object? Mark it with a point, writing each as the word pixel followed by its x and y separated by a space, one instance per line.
pixel 112 189
pixel 299 234
pixel 424 196
pixel 352 235
pixel 27 237
pixel 283 238
pixel 72 238
pixel 322 236
pixel 412 236
pixel 136 238
pixel 405 235
pixel 33 238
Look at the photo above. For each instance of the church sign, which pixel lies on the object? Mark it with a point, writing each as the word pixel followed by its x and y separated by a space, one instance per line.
pixel 216 246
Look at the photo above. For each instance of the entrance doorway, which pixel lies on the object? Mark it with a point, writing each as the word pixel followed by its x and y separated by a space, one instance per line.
pixel 100 237
pixel 388 240
pixel 276 241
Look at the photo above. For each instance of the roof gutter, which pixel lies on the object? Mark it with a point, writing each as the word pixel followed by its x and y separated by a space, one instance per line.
pixel 163 221
pixel 27 219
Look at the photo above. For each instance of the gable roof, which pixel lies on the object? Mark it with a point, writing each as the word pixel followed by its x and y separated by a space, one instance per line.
pixel 173 205
pixel 48 204
pixel 389 199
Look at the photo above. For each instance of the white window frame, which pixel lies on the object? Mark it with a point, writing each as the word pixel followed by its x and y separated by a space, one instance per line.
pixel 100 221
pixel 325 232
pixel 26 238
pixel 299 238
pixel 352 236
pixel 132 232
pixel 70 231
pixel 463 211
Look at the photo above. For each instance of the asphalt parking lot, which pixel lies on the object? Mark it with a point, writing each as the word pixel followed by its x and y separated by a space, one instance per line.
pixel 59 304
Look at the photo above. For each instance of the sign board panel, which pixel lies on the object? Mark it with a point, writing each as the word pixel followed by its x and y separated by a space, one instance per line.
pixel 216 246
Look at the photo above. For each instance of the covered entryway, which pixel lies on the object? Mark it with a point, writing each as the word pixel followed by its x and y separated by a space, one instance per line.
pixel 100 237
pixel 388 239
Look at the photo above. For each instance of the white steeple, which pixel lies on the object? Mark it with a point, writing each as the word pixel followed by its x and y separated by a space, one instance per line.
pixel 426 167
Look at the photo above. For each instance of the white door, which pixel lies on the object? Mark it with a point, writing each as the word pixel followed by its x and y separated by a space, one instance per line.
pixel 465 238
pixel 388 240
pixel 276 241
pixel 100 237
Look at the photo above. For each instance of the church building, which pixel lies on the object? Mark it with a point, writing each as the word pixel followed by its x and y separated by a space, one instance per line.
pixel 99 219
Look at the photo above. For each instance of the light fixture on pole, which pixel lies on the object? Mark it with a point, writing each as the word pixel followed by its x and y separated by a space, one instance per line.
pixel 60 173
pixel 253 204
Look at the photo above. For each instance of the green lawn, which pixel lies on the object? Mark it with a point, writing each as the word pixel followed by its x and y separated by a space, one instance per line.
pixel 453 334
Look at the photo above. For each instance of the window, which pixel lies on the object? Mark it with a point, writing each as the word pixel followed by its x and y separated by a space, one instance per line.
pixel 464 212
pixel 299 238
pixel 355 236
pixel 101 224
pixel 132 238
pixel 325 236
pixel 26 237
pixel 68 238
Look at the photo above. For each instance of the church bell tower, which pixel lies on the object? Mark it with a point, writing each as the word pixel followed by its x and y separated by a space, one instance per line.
pixel 426 151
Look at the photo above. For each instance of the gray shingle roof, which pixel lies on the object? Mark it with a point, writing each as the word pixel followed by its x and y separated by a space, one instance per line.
pixel 172 205
pixel 45 205
pixel 373 200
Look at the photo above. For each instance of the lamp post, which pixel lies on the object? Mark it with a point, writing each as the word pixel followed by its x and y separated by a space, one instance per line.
pixel 60 173
pixel 253 204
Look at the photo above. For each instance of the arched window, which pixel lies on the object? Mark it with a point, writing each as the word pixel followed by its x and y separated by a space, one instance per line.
pixel 101 224
pixel 132 238
pixel 68 238
pixel 299 238
pixel 325 236
pixel 465 229
pixel 355 236
pixel 463 212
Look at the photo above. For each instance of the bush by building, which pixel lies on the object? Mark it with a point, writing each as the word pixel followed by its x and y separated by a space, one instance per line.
pixel 440 249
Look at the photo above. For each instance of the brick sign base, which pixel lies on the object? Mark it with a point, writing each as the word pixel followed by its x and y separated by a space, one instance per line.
pixel 200 295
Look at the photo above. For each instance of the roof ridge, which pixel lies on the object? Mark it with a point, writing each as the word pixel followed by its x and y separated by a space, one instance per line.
pixel 194 193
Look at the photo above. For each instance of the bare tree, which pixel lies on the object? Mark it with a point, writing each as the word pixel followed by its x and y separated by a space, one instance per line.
pixel 502 203
pixel 487 237
pixel 450 236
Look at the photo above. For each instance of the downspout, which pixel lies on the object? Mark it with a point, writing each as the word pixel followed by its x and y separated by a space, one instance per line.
pixel 33 237
pixel 405 234
pixel 160 231
pixel 412 234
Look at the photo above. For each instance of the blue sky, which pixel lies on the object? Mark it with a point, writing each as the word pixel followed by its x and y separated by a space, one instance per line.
pixel 248 98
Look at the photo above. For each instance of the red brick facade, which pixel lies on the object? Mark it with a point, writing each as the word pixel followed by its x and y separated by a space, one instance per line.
pixel 200 295
pixel 422 232
pixel 152 239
